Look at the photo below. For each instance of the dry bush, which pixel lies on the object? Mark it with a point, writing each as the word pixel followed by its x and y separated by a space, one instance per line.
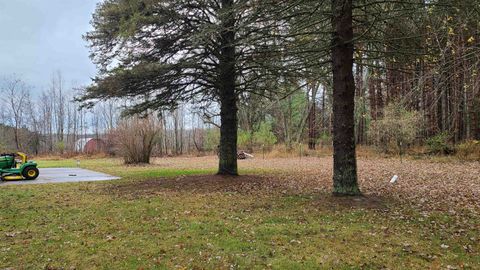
pixel 297 150
pixel 69 155
pixel 277 151
pixel 366 151
pixel 439 144
pixel 469 150
pixel 135 139
pixel 397 130
pixel 48 156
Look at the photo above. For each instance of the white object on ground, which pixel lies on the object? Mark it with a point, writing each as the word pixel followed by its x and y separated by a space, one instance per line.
pixel 248 155
pixel 394 179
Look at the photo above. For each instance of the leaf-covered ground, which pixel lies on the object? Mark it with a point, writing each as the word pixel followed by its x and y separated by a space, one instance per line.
pixel 279 215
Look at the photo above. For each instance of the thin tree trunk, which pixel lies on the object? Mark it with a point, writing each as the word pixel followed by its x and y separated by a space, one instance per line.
pixel 345 164
pixel 323 124
pixel 312 127
pixel 312 119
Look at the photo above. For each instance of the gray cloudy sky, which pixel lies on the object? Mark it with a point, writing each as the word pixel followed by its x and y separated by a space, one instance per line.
pixel 39 37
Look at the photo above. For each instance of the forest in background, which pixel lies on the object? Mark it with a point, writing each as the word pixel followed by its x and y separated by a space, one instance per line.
pixel 417 84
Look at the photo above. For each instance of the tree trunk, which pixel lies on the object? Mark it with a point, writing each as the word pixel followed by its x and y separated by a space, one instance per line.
pixel 312 119
pixel 312 127
pixel 228 99
pixel 345 164
pixel 15 133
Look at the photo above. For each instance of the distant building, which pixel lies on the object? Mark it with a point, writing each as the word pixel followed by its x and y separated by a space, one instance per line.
pixel 90 145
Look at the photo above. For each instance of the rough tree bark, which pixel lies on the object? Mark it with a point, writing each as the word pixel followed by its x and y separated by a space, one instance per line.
pixel 228 97
pixel 345 164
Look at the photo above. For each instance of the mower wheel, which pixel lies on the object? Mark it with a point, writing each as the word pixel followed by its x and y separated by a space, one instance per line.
pixel 30 173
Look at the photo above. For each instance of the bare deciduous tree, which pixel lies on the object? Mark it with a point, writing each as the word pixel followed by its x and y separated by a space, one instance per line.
pixel 17 98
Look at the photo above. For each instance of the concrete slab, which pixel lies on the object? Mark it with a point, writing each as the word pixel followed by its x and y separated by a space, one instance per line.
pixel 64 175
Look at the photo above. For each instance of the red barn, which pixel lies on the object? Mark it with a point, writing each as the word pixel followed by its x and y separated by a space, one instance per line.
pixel 91 145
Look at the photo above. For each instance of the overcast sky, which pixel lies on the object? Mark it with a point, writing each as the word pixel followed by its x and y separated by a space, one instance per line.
pixel 39 37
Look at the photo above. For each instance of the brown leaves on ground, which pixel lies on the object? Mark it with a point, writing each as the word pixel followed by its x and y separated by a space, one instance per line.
pixel 245 184
pixel 429 185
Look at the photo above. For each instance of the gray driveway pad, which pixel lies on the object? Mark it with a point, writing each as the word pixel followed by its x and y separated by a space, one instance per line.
pixel 64 175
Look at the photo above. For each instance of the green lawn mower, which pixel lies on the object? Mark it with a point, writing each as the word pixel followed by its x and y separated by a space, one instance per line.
pixel 12 168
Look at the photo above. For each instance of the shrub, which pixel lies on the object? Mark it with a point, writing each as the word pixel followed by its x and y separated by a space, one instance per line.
pixel 2 148
pixel 212 139
pixel 244 140
pixel 325 139
pixel 439 144
pixel 397 130
pixel 469 150
pixel 60 146
pixel 136 138
pixel 264 136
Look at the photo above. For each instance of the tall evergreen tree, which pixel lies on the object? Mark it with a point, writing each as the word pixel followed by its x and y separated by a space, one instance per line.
pixel 345 163
pixel 159 53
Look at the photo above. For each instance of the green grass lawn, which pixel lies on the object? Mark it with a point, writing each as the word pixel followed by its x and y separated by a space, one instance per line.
pixel 115 167
pixel 114 225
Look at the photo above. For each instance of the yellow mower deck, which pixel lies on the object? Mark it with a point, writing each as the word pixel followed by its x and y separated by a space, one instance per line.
pixel 13 178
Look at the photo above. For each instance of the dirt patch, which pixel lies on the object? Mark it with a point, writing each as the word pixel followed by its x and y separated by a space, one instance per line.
pixel 370 202
pixel 245 184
